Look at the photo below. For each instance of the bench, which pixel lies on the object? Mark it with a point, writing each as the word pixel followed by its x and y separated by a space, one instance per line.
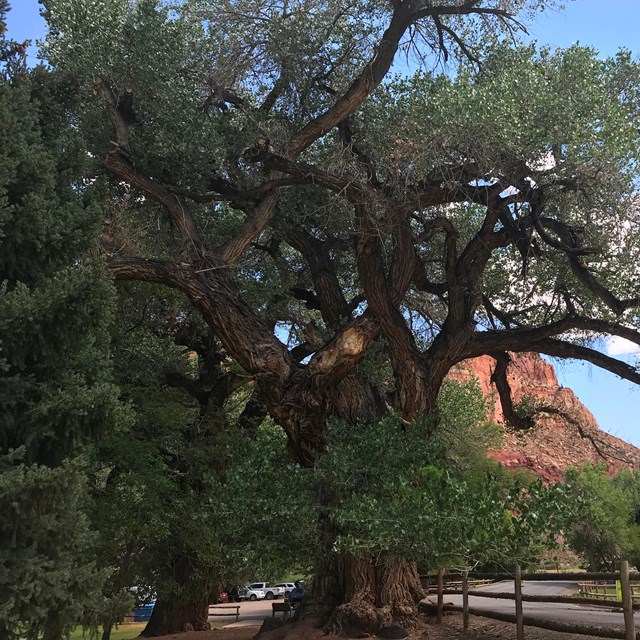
pixel 225 606
pixel 281 607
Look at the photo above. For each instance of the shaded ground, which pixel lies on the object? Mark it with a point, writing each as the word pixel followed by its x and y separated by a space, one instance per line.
pixel 236 633
pixel 487 629
pixel 481 629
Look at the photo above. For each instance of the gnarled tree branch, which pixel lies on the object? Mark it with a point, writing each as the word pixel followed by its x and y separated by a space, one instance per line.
pixel 120 166
pixel 332 303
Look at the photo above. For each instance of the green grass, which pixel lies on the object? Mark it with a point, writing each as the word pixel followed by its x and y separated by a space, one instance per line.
pixel 609 591
pixel 123 632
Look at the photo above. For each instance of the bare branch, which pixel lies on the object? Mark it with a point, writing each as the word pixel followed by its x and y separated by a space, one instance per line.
pixel 540 339
pixel 348 186
pixel 506 319
pixel 569 236
pixel 583 273
pixel 422 283
pixel 118 163
pixel 560 349
pixel 375 70
pixel 233 250
pixel 331 301
pixel 456 38
pixel 451 252
pixel 273 95
pixel 148 270
pixel 111 103
pixel 527 338
pixel 366 81
pixel 501 381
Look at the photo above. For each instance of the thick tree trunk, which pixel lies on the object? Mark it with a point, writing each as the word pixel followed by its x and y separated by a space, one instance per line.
pixel 355 596
pixel 366 593
pixel 106 630
pixel 54 629
pixel 173 615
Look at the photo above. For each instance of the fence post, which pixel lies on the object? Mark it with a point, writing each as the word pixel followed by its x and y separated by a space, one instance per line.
pixel 440 595
pixel 518 591
pixel 627 602
pixel 465 600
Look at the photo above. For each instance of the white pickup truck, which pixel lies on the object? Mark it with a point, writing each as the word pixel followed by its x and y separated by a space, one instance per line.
pixel 271 591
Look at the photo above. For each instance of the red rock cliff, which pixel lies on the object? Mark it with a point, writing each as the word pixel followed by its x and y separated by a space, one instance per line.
pixel 564 434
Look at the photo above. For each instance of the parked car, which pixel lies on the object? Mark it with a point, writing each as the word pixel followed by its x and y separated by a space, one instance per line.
pixel 255 594
pixel 223 596
pixel 242 592
pixel 142 613
pixel 296 596
pixel 285 587
pixel 271 591
pixel 237 593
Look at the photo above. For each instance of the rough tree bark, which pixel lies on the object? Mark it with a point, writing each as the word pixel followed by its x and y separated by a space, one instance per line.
pixel 175 614
pixel 374 591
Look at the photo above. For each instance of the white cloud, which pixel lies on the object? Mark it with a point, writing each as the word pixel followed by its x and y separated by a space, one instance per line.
pixel 617 346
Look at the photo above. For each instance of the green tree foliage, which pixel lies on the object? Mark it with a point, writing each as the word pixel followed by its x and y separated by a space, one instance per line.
pixel 159 491
pixel 422 492
pixel 607 528
pixel 56 390
pixel 157 505
pixel 271 510
pixel 427 493
pixel 320 194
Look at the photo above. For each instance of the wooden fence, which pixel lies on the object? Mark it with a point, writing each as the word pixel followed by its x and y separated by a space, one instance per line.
pixel 465 579
pixel 606 590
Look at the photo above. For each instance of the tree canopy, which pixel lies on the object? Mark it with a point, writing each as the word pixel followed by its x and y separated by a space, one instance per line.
pixel 353 197
pixel 298 191
pixel 605 529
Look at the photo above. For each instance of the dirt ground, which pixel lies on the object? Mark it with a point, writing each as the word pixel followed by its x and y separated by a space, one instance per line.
pixel 451 629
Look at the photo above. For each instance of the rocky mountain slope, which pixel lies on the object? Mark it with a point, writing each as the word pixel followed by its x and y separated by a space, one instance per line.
pixel 564 432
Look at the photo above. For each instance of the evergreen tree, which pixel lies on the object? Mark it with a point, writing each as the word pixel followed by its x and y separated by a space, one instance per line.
pixel 56 392
pixel 159 504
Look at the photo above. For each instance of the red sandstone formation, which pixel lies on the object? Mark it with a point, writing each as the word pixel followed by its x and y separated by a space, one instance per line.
pixel 564 433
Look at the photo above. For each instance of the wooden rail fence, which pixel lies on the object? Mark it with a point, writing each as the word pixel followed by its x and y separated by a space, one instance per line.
pixel 626 632
pixel 604 590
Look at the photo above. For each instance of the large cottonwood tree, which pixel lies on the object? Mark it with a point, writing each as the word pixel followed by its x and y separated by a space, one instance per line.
pixel 261 158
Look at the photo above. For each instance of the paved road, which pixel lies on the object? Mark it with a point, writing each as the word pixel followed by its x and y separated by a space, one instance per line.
pixel 571 613
pixel 253 613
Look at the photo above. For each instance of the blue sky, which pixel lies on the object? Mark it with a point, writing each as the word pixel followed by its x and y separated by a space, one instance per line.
pixel 604 24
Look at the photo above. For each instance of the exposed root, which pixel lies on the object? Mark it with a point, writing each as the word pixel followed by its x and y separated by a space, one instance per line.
pixel 361 620
pixel 406 617
pixel 357 620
